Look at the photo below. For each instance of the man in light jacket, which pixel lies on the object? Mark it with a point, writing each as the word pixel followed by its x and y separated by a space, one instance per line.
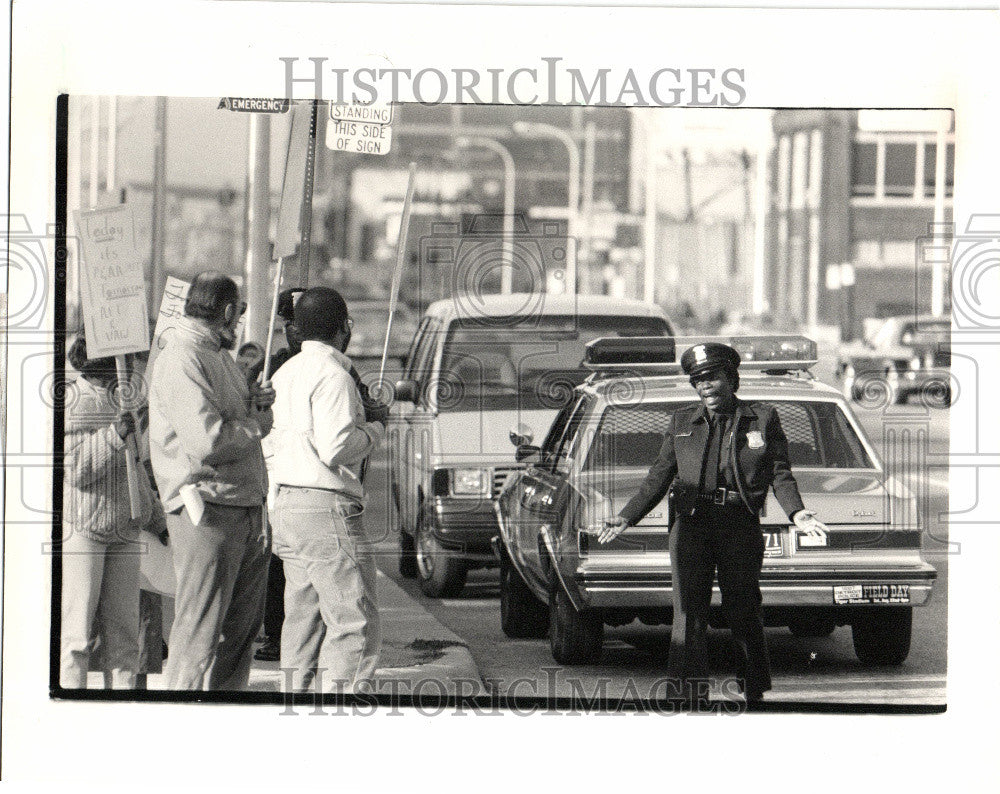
pixel 205 428
pixel 319 442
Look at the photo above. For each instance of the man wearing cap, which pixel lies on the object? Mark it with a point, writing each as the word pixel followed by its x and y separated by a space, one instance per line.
pixel 330 639
pixel 718 460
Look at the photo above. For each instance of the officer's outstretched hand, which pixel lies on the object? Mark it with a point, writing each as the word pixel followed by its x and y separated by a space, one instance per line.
pixel 613 527
pixel 806 521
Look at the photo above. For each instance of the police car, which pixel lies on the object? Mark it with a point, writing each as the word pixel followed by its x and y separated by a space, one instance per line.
pixel 865 571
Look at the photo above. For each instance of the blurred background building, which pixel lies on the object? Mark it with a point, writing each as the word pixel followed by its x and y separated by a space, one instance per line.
pixel 729 219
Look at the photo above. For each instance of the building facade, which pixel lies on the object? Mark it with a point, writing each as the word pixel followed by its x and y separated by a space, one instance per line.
pixel 852 205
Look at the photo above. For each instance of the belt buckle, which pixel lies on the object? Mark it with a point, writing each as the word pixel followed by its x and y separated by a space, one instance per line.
pixel 719 497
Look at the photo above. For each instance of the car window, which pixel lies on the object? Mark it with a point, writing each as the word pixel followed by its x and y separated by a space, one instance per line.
pixel 534 364
pixel 557 428
pixel 564 446
pixel 418 339
pixel 424 357
pixel 818 433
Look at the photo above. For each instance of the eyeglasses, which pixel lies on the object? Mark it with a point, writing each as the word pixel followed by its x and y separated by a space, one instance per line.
pixel 350 323
pixel 243 308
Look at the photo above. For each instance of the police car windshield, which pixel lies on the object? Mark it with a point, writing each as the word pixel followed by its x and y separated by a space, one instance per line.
pixel 819 435
pixel 525 362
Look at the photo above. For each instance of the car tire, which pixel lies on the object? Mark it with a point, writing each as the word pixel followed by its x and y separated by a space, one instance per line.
pixel 440 571
pixel 522 616
pixel 882 635
pixel 575 637
pixel 407 556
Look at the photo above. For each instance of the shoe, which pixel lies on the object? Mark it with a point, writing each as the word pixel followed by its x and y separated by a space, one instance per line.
pixel 268 652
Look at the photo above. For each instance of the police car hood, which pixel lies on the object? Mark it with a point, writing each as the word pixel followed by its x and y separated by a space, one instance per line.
pixel 485 434
pixel 839 497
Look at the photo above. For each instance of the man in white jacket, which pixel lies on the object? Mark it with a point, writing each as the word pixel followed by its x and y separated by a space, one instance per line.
pixel 330 639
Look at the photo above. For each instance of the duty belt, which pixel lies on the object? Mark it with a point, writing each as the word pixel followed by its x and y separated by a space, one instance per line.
pixel 721 496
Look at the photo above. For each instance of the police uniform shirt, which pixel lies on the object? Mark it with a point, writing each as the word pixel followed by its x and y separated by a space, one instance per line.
pixel 716 471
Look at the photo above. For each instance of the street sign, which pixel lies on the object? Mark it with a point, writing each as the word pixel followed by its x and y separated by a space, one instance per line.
pixel 114 290
pixel 362 129
pixel 358 137
pixel 251 105
pixel 372 114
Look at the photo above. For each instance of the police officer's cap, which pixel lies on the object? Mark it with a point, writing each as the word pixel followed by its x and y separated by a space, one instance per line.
pixel 709 356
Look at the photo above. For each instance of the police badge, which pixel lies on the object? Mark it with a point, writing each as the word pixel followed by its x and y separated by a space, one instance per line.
pixel 755 440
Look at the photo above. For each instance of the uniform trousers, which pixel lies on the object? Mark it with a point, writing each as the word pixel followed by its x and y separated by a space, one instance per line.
pixel 331 636
pixel 221 569
pixel 99 580
pixel 727 540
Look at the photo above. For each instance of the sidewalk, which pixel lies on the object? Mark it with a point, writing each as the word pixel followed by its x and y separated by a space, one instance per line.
pixel 419 655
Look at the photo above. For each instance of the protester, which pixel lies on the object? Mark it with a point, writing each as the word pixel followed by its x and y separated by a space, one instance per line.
pixel 274 600
pixel 319 441
pixel 99 553
pixel 250 357
pixel 206 423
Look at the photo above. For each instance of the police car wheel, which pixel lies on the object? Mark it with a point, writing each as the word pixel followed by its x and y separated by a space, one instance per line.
pixel 407 556
pixel 522 615
pixel 440 571
pixel 882 635
pixel 575 637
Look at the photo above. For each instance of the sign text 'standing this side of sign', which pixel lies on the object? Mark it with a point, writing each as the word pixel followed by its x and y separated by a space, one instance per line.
pixel 361 129
pixel 113 294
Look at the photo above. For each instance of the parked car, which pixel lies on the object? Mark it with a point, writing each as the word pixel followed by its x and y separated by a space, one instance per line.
pixel 866 571
pixel 368 335
pixel 907 356
pixel 478 375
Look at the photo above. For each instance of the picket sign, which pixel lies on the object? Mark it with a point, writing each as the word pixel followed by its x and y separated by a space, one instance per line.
pixel 113 300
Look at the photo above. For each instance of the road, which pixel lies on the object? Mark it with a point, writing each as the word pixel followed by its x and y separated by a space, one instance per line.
pixel 634 658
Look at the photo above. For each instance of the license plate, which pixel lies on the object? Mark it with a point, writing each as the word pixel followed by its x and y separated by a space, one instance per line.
pixel 772 545
pixel 871 594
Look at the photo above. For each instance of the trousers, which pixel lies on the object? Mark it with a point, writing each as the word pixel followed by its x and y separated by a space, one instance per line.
pixel 99 580
pixel 221 569
pixel 331 636
pixel 727 540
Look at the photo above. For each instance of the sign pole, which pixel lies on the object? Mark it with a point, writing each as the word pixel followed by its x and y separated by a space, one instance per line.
pixel 274 314
pixel 397 274
pixel 131 451
pixel 307 197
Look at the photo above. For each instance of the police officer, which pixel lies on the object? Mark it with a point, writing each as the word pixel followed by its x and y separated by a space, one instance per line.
pixel 718 460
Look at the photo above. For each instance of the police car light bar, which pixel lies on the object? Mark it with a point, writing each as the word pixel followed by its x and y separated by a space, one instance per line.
pixel 662 353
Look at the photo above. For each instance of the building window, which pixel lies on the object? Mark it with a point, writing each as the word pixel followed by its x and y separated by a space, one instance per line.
pixel 865 169
pixel 930 164
pixel 898 166
pixel 900 169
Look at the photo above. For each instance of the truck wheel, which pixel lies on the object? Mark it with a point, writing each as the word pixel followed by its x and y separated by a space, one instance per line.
pixel 407 556
pixel 575 637
pixel 521 614
pixel 440 571
pixel 882 635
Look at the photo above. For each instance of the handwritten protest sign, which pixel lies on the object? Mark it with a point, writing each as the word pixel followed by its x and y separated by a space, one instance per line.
pixel 113 291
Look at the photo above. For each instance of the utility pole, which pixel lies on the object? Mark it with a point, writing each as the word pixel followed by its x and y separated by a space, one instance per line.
pixel 258 262
pixel 159 227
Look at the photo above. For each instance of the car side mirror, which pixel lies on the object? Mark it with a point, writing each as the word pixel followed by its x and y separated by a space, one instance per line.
pixel 407 391
pixel 527 453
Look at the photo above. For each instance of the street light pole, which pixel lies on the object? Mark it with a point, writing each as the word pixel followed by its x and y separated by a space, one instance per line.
pixel 507 271
pixel 538 130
